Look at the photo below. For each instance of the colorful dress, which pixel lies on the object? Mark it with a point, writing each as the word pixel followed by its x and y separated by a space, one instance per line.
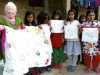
pixel 91 49
pixel 57 38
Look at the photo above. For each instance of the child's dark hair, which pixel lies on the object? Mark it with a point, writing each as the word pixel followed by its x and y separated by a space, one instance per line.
pixel 42 17
pixel 26 15
pixel 57 12
pixel 90 11
pixel 80 18
pixel 71 10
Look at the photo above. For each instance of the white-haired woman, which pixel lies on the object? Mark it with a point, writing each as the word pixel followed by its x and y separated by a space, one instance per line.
pixel 14 62
pixel 10 19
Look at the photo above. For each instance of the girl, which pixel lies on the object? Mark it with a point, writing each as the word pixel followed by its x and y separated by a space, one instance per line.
pixel 43 22
pixel 91 48
pixel 72 43
pixel 57 38
pixel 29 19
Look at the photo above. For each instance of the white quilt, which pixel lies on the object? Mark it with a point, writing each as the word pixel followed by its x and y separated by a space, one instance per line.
pixel 24 49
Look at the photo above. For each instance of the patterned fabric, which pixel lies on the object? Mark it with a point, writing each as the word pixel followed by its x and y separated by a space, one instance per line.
pixel 91 51
pixel 72 48
pixel 91 62
pixel 90 24
pixel 30 50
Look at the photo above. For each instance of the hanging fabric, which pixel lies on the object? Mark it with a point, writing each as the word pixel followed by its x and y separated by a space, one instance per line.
pixel 98 2
pixel 75 3
pixel 89 3
pixel 81 2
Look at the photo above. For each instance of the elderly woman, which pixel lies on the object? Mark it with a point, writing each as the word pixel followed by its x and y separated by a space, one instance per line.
pixel 10 19
pixel 13 59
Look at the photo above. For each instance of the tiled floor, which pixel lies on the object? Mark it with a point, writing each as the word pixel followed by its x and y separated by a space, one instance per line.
pixel 63 71
pixel 1 69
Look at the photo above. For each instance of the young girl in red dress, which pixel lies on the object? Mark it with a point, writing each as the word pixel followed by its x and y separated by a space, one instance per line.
pixel 91 50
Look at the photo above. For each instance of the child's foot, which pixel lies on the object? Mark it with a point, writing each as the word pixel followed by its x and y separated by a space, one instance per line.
pixel 71 68
pixel 42 69
pixel 55 66
pixel 87 70
pixel 97 70
pixel 60 66
pixel 48 69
